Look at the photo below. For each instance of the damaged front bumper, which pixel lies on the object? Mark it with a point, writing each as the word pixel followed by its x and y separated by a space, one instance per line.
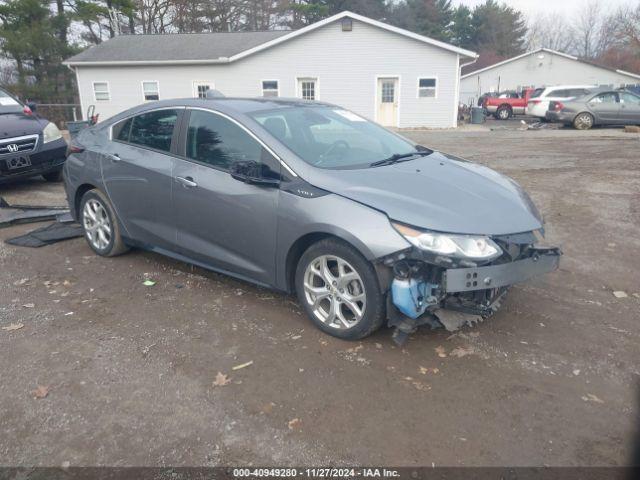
pixel 435 291
pixel 541 261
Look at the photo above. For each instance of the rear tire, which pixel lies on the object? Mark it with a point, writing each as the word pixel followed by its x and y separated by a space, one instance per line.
pixel 100 225
pixel 583 121
pixel 338 288
pixel 54 176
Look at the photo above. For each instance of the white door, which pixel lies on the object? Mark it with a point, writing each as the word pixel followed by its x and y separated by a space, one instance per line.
pixel 387 102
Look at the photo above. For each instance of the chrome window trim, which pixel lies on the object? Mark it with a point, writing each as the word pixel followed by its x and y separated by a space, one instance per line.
pixel 253 135
pixel 35 136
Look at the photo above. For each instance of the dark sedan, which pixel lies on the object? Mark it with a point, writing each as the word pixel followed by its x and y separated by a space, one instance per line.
pixel 29 145
pixel 605 107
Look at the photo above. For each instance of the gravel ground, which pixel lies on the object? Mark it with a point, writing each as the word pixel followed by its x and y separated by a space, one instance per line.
pixel 129 370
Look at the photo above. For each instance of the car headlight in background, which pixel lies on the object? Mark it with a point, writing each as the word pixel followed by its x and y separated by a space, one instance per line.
pixel 51 133
pixel 472 247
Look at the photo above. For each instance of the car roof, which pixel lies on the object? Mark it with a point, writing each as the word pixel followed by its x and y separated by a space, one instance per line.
pixel 236 104
pixel 562 87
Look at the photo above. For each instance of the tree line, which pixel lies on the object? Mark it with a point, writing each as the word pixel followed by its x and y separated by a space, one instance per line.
pixel 37 35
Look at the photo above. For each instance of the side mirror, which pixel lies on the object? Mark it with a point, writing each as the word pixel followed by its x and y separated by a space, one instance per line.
pixel 32 106
pixel 252 172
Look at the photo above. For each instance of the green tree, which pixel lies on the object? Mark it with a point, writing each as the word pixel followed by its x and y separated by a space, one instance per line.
pixel 498 28
pixel 35 40
pixel 432 18
pixel 305 12
pixel 462 32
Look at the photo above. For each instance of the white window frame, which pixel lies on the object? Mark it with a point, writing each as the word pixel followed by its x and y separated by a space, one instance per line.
pixel 316 90
pixel 197 83
pixel 435 89
pixel 277 90
pixel 144 94
pixel 95 97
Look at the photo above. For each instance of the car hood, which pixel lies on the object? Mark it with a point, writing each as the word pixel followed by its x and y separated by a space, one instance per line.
pixel 439 192
pixel 18 124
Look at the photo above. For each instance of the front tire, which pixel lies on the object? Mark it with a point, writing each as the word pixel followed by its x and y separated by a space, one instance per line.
pixel 583 121
pixel 503 113
pixel 338 288
pixel 101 228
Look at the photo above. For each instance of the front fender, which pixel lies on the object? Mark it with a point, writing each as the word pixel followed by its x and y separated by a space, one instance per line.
pixel 366 229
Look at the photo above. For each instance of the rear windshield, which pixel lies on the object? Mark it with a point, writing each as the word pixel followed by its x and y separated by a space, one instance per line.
pixel 537 92
pixel 330 137
pixel 8 104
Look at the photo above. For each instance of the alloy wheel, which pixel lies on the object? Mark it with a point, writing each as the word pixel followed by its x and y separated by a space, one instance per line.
pixel 97 225
pixel 335 292
pixel 584 121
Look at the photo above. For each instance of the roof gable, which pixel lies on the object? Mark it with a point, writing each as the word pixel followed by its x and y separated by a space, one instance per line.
pixel 553 52
pixel 218 47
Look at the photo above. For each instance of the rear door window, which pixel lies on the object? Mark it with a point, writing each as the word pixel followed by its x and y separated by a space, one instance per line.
pixel 153 129
pixel 217 141
pixel 122 129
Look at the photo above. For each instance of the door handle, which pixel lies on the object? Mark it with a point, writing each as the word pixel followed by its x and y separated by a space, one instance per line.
pixel 114 157
pixel 187 182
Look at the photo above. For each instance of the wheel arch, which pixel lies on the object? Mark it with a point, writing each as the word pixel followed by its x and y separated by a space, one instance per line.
pixel 77 197
pixel 301 244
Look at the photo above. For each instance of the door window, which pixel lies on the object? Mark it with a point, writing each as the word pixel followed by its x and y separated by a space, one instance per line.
pixel 308 88
pixel 122 129
pixel 219 142
pixel 609 97
pixel 388 91
pixel 154 129
pixel 200 89
pixel 629 98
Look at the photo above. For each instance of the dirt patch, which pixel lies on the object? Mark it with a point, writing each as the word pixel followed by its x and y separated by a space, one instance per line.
pixel 130 369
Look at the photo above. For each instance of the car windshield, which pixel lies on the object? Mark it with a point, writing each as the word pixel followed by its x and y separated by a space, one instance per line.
pixel 333 138
pixel 8 104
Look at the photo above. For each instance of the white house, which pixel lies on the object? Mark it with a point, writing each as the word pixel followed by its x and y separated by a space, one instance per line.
pixel 381 72
pixel 540 68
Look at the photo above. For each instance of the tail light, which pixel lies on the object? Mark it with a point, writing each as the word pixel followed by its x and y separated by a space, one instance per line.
pixel 27 111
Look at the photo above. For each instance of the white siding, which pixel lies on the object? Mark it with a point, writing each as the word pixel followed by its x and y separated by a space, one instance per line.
pixel 539 72
pixel 345 63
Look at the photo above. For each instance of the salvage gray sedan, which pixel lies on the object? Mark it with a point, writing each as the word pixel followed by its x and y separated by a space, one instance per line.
pixel 606 107
pixel 365 226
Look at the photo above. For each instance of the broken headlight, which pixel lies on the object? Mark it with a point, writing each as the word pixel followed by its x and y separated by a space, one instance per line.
pixel 471 247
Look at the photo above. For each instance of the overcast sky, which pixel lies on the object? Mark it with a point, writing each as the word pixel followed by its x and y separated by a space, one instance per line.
pixel 534 7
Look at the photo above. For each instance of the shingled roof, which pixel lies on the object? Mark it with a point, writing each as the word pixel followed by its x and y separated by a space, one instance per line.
pixel 178 47
pixel 218 47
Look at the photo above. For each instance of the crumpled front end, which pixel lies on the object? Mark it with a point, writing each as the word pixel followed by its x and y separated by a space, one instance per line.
pixel 435 289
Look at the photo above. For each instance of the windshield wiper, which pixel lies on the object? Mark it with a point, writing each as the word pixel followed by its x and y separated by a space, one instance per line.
pixel 400 157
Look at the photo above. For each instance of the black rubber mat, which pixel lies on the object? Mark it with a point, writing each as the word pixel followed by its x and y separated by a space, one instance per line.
pixel 55 232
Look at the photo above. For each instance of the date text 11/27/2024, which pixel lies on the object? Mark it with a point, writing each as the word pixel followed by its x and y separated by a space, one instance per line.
pixel 315 472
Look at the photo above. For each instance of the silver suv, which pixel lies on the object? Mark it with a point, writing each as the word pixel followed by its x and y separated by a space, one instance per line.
pixel 365 226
